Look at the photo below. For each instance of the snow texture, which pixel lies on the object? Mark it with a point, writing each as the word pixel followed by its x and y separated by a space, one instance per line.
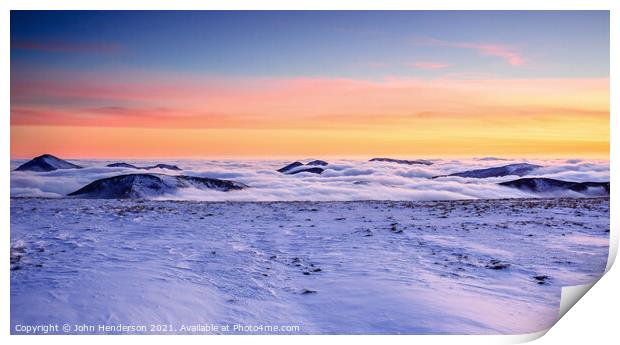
pixel 363 267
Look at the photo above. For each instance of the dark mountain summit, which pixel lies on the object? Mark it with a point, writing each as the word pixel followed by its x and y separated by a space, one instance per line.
pixel 297 167
pixel 131 166
pixel 138 186
pixel 519 169
pixel 290 166
pixel 548 185
pixel 402 161
pixel 317 162
pixel 46 162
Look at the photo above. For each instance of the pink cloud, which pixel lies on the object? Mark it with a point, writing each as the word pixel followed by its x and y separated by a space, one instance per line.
pixel 430 65
pixel 176 101
pixel 498 50
pixel 118 116
pixel 511 57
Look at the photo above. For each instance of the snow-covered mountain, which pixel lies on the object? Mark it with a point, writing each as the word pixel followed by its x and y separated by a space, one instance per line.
pixel 288 167
pixel 548 185
pixel 297 167
pixel 402 161
pixel 139 186
pixel 317 162
pixel 131 166
pixel 46 162
pixel 519 169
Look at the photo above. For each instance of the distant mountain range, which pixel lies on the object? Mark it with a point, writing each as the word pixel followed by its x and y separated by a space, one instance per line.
pixel 519 169
pixel 132 186
pixel 138 186
pixel 402 161
pixel 547 185
pixel 46 162
pixel 131 166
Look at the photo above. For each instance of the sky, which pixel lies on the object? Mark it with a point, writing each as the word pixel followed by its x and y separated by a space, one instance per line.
pixel 210 84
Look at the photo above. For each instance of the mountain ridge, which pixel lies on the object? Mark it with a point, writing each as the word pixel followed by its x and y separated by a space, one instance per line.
pixel 518 169
pixel 157 166
pixel 549 185
pixel 140 186
pixel 401 161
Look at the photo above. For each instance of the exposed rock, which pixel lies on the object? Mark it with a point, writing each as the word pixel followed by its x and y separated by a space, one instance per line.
pixel 497 265
pixel 541 279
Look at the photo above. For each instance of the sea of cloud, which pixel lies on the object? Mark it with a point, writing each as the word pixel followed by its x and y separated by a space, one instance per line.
pixel 342 180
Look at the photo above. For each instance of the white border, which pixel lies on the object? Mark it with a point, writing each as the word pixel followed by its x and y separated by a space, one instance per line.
pixel 586 323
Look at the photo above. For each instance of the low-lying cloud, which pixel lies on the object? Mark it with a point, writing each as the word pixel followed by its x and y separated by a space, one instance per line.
pixel 342 180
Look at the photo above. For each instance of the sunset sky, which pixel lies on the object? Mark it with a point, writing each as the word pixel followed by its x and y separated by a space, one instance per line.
pixel 301 84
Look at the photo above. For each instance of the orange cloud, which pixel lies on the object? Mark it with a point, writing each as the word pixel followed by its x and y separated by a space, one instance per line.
pixel 265 102
pixel 205 116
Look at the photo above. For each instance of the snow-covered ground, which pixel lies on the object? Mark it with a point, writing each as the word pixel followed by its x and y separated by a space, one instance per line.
pixel 369 267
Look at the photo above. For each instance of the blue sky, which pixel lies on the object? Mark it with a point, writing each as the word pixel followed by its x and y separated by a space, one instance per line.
pixel 364 45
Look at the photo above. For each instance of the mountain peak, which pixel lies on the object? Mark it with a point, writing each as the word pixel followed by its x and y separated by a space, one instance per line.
pixel 46 162
pixel 298 167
